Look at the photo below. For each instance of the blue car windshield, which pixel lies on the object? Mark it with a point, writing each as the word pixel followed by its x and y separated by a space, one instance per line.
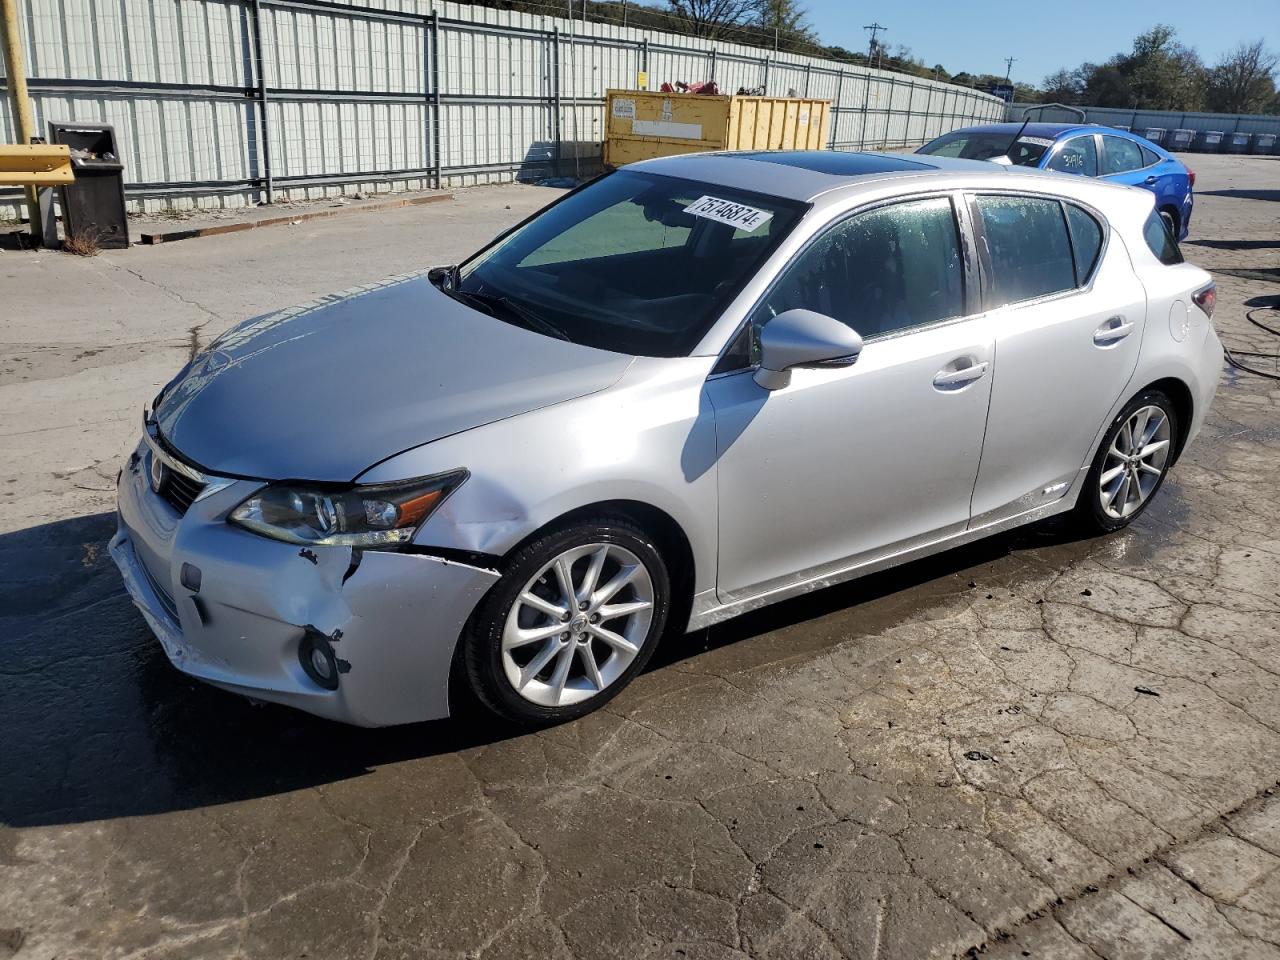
pixel 632 262
pixel 1025 152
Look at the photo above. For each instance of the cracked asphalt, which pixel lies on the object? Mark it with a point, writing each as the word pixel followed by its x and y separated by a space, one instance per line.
pixel 1032 747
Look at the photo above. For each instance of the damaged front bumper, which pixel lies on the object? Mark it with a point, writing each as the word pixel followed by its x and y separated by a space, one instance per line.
pixel 232 608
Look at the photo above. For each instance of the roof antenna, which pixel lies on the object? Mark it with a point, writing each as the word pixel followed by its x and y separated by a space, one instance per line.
pixel 1015 139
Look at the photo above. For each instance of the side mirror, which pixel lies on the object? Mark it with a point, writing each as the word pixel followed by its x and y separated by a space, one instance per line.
pixel 441 277
pixel 803 338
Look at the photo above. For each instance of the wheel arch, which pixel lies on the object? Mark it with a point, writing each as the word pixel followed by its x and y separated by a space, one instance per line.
pixel 670 537
pixel 1184 406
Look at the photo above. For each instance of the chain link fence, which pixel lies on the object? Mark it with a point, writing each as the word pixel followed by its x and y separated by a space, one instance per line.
pixel 230 102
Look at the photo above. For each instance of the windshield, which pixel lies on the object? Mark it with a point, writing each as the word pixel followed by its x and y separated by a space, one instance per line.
pixel 1026 152
pixel 633 262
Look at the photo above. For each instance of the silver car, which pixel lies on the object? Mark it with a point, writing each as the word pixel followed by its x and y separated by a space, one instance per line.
pixel 688 389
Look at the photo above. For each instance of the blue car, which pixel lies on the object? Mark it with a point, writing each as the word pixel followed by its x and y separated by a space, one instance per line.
pixel 1089 149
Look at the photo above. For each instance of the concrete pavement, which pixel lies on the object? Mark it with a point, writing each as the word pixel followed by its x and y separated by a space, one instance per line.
pixel 1032 747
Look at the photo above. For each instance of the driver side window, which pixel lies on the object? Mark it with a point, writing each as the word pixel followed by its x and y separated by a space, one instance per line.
pixel 879 272
pixel 1079 155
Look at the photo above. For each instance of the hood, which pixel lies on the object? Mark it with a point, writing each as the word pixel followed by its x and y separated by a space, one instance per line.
pixel 324 391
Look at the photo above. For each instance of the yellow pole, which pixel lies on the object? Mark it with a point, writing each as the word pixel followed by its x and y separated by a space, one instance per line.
pixel 16 81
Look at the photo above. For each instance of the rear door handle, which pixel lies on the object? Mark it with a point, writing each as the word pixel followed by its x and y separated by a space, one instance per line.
pixel 1150 180
pixel 958 378
pixel 1113 331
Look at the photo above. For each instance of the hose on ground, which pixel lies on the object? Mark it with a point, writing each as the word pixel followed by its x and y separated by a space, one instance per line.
pixel 1234 355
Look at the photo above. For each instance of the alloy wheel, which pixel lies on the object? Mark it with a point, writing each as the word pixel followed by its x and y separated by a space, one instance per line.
pixel 577 624
pixel 1135 462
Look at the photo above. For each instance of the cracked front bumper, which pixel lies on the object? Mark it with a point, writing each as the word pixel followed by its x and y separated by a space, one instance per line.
pixel 393 618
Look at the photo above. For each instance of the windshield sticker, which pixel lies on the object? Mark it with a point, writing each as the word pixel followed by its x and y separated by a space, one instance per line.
pixel 1038 141
pixel 739 215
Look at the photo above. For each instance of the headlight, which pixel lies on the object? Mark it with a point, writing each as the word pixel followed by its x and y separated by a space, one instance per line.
pixel 375 515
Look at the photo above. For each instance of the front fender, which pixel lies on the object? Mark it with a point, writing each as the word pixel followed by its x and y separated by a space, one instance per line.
pixel 650 438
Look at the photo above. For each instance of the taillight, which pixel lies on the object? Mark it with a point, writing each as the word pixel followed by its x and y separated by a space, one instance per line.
pixel 1206 299
pixel 1191 178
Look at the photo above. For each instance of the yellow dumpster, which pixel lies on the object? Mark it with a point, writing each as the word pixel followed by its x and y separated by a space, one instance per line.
pixel 640 124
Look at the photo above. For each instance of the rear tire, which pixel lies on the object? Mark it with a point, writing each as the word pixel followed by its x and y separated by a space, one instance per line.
pixel 1131 463
pixel 575 617
pixel 1170 220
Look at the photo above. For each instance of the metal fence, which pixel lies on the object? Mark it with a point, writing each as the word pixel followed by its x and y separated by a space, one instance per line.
pixel 227 102
pixel 1141 120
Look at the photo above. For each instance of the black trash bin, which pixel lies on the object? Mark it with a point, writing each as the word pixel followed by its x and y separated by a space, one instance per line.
pixel 1237 143
pixel 94 204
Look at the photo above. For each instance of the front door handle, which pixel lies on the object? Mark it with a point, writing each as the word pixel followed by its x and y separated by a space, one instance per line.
pixel 1113 331
pixel 946 378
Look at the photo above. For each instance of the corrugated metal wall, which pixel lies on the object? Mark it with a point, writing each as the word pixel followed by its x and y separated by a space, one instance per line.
pixel 1140 120
pixel 397 93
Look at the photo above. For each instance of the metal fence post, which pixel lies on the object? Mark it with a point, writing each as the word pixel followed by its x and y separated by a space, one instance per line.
pixel 866 103
pixel 764 83
pixel 555 97
pixel 437 109
pixel 808 69
pixel 835 109
pixel 260 66
pixel 910 108
pixel 428 96
pixel 888 112
pixel 713 64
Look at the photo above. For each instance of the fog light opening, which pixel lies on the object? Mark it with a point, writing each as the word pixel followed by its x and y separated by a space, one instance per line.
pixel 318 662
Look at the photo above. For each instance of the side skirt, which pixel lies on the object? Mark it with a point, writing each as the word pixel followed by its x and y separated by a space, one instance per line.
pixel 707 610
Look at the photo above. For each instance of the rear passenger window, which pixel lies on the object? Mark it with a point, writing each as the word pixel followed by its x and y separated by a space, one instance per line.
pixel 1079 155
pixel 1160 240
pixel 1120 155
pixel 1149 157
pixel 879 272
pixel 1086 242
pixel 1030 251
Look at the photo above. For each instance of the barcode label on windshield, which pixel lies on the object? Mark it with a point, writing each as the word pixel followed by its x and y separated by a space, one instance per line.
pixel 737 215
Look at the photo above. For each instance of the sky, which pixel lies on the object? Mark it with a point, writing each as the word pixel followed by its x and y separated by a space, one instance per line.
pixel 977 35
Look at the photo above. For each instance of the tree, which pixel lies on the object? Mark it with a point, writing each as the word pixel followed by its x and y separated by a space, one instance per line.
pixel 786 19
pixel 1064 86
pixel 1106 85
pixel 713 19
pixel 1163 73
pixel 1243 81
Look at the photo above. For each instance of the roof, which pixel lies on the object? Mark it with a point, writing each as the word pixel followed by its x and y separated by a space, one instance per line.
pixel 801 174
pixel 1050 130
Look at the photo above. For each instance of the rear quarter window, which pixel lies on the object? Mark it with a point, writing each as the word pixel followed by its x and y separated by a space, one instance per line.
pixel 1086 242
pixel 1156 232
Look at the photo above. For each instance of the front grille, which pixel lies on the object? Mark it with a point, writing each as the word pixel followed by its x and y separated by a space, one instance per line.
pixel 166 600
pixel 179 490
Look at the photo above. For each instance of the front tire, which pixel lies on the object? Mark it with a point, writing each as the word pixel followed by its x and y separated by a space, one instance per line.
pixel 1131 463
pixel 575 617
